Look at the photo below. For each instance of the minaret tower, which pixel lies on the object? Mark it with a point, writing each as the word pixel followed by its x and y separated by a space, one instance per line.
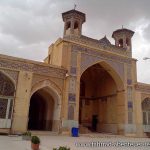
pixel 123 38
pixel 73 21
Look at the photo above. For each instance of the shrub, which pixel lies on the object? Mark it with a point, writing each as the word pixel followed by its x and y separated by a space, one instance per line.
pixel 35 140
pixel 28 133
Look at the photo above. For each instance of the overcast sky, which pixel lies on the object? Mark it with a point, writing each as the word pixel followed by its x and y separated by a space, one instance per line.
pixel 28 27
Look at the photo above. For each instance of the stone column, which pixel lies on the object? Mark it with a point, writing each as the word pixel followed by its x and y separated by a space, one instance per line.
pixel 78 86
pixel 121 111
pixel 138 115
pixel 22 101
pixel 69 119
pixel 72 27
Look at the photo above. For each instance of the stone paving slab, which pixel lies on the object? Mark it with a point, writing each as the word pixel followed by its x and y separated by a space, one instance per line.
pixel 49 142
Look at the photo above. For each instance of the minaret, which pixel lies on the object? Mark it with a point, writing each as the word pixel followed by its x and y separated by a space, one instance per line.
pixel 73 21
pixel 123 38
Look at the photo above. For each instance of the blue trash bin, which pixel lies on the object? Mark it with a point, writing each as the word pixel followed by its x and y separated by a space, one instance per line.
pixel 75 132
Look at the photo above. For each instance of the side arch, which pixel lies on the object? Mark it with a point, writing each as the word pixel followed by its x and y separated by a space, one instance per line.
pixel 46 83
pixel 145 105
pixel 52 89
pixel 7 94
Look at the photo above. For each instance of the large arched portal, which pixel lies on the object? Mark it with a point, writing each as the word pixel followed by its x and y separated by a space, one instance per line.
pixel 98 100
pixel 41 111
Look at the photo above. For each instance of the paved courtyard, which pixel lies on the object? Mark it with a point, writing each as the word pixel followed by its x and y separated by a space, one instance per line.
pixel 49 142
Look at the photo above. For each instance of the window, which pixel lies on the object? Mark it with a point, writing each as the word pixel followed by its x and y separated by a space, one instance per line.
pixel 146 111
pixel 76 26
pixel 68 25
pixel 121 43
pixel 146 117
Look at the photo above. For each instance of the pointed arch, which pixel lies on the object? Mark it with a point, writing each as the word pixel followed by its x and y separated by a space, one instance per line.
pixel 7 84
pixel 9 77
pixel 146 110
pixel 46 83
pixel 104 87
pixel 53 96
pixel 110 69
pixel 7 93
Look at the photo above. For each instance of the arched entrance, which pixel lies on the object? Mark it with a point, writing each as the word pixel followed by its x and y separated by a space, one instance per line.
pixel 7 91
pixel 41 111
pixel 98 99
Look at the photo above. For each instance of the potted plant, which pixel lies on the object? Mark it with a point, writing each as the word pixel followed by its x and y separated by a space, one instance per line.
pixel 26 136
pixel 61 148
pixel 35 142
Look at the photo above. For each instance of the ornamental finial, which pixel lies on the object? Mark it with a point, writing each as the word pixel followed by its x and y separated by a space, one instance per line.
pixel 75 6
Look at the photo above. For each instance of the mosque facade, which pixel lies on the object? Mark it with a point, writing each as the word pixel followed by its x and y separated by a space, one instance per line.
pixel 83 82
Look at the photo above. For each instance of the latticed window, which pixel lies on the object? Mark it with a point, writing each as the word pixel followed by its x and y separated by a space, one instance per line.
pixel 146 118
pixel 146 111
pixel 3 107
pixel 6 86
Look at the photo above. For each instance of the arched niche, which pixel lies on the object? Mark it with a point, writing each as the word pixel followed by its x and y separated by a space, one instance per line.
pixel 146 111
pixel 49 96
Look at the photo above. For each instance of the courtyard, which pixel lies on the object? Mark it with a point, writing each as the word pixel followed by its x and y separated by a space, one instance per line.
pixel 48 142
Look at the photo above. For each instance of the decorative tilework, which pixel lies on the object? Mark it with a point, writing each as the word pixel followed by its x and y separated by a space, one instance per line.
pixel 13 74
pixel 73 70
pixel 142 87
pixel 101 54
pixel 129 93
pixel 73 59
pixel 45 83
pixel 129 81
pixel 146 104
pixel 129 73
pixel 72 97
pixel 72 81
pixel 130 105
pixel 89 60
pixel 97 44
pixel 71 112
pixel 72 85
pixel 7 88
pixel 42 69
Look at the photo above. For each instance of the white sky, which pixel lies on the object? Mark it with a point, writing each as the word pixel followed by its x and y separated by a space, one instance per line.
pixel 28 27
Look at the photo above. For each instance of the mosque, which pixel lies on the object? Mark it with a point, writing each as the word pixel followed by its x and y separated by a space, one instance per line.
pixel 83 82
